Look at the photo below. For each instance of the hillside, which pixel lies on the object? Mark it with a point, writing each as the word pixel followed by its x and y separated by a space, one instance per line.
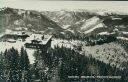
pixel 64 24
pixel 112 53
pixel 95 30
pixel 29 20
pixel 67 18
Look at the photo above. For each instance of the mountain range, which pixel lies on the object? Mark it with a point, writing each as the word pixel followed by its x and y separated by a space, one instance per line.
pixel 63 21
pixel 94 28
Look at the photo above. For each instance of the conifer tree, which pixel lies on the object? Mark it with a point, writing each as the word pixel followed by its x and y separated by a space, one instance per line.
pixel 24 61
pixel 2 79
pixel 24 66
pixel 12 65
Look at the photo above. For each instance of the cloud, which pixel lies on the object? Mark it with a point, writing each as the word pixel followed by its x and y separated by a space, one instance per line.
pixel 55 5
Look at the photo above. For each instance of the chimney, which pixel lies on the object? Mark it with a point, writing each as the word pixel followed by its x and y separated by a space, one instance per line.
pixel 42 37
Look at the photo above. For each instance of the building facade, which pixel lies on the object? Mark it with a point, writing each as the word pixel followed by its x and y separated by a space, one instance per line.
pixel 37 41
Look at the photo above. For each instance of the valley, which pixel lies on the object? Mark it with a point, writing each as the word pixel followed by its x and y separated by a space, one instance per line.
pixel 84 28
pixel 63 43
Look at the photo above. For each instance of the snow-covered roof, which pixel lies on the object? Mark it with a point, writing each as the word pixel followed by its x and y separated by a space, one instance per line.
pixel 104 33
pixel 38 37
pixel 14 32
pixel 113 18
pixel 122 38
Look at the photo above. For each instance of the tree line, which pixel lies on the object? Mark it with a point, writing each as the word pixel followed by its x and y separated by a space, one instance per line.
pixel 55 65
pixel 15 66
pixel 68 62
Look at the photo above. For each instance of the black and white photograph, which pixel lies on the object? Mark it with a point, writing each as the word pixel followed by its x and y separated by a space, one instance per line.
pixel 63 41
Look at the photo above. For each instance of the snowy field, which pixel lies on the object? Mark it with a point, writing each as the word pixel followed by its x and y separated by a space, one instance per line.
pixel 66 43
pixel 19 44
pixel 111 53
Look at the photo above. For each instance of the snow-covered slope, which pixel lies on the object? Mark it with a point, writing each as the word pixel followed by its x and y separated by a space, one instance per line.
pixel 17 45
pixel 112 53
pixel 90 23
pixel 18 19
pixel 67 17
pixel 100 25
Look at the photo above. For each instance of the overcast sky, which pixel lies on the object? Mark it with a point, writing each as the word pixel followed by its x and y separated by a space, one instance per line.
pixel 121 6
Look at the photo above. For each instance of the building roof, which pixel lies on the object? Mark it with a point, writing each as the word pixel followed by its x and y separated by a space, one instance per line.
pixel 38 37
pixel 14 32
